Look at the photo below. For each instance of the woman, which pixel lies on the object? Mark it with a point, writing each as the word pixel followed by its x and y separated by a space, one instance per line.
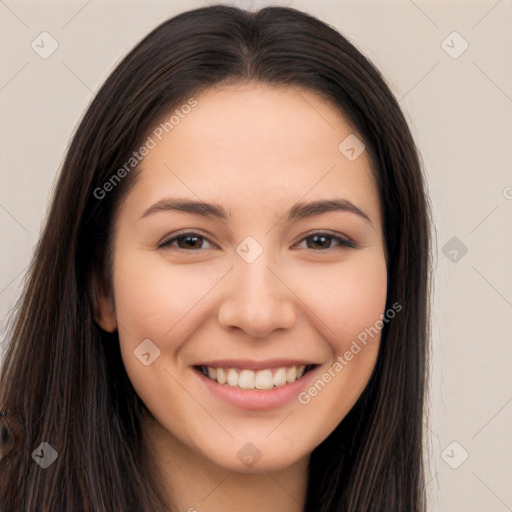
pixel 258 371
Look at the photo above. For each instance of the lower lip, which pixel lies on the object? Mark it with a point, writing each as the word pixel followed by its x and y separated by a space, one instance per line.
pixel 256 399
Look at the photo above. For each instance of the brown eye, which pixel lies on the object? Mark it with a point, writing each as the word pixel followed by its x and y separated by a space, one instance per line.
pixel 322 241
pixel 186 241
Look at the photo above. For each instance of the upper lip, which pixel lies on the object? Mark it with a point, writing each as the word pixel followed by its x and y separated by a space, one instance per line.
pixel 246 364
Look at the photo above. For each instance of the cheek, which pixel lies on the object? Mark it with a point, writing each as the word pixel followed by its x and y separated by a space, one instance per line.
pixel 159 300
pixel 148 288
pixel 363 297
pixel 350 314
pixel 347 297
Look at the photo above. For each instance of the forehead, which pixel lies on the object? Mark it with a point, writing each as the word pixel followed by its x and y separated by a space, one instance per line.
pixel 253 146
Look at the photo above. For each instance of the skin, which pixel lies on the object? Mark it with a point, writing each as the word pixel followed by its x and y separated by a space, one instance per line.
pixel 256 150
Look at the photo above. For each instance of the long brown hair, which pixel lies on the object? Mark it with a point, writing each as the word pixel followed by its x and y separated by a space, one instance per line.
pixel 63 381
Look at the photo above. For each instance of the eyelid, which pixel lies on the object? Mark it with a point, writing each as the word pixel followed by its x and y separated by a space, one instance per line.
pixel 343 241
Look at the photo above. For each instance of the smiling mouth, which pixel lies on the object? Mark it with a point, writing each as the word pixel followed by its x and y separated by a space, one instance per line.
pixel 264 379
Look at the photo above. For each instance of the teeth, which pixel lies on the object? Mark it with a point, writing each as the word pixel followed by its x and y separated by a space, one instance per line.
pixel 261 379
pixel 291 374
pixel 246 379
pixel 232 377
pixel 264 379
pixel 280 377
pixel 221 376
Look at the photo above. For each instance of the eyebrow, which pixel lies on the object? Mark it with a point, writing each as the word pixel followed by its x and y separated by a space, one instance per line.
pixel 298 211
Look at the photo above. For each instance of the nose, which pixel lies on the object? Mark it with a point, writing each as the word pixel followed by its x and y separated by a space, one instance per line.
pixel 257 299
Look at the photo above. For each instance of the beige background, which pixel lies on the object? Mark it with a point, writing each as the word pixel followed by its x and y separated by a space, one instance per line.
pixel 459 110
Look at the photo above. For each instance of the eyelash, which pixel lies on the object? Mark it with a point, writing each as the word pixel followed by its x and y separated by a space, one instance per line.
pixel 342 241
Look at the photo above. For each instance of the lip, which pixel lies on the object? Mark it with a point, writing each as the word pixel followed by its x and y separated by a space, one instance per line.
pixel 245 364
pixel 255 399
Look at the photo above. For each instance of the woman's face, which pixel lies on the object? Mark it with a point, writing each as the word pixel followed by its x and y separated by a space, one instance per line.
pixel 262 290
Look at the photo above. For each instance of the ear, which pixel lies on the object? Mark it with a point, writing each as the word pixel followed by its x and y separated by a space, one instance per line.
pixel 104 310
